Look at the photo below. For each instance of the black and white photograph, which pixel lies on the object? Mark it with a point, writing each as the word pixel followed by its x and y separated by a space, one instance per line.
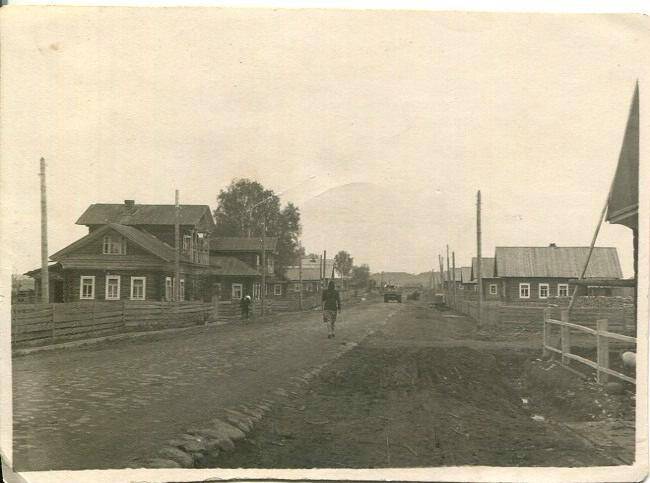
pixel 293 243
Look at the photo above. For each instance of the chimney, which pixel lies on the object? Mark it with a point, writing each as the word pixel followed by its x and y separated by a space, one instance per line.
pixel 553 245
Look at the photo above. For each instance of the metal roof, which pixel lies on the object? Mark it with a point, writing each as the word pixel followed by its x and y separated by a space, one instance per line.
pixel 231 266
pixel 487 267
pixel 308 274
pixel 556 262
pixel 242 244
pixel 104 213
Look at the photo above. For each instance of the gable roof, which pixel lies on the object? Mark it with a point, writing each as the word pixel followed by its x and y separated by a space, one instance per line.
pixel 242 244
pixel 560 262
pixel 142 238
pixel 454 274
pixel 230 266
pixel 104 213
pixel 487 267
pixel 466 274
pixel 308 274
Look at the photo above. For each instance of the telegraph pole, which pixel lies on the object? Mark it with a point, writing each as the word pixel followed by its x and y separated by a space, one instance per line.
pixel 479 278
pixel 45 272
pixel 442 273
pixel 453 273
pixel 300 279
pixel 448 275
pixel 177 240
pixel 263 288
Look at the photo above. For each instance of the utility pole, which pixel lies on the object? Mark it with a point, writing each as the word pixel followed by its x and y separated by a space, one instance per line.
pixel 177 240
pixel 263 288
pixel 45 272
pixel 442 273
pixel 453 273
pixel 448 276
pixel 479 278
pixel 325 268
pixel 300 279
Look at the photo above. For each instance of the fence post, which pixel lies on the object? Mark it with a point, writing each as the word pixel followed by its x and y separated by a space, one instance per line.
pixel 603 349
pixel 546 332
pixel 215 307
pixel 54 321
pixel 565 335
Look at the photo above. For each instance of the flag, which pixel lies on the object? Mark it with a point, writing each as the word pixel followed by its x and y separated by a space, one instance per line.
pixel 623 203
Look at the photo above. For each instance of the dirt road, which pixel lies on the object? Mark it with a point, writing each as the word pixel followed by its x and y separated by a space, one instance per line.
pixel 428 390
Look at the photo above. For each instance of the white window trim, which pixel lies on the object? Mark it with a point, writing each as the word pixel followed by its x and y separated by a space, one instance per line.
pixel 181 290
pixel 522 285
pixel 496 289
pixel 257 290
pixel 144 288
pixel 119 287
pixel 539 290
pixel 169 283
pixel 81 287
pixel 241 290
pixel 275 289
pixel 560 285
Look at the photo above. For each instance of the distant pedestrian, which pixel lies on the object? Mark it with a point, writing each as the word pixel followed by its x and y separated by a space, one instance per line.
pixel 245 305
pixel 331 306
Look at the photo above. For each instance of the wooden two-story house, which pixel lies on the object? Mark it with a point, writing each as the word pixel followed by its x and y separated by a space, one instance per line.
pixel 243 259
pixel 129 253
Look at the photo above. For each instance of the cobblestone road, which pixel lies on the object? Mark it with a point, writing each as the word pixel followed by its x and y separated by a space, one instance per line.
pixel 113 405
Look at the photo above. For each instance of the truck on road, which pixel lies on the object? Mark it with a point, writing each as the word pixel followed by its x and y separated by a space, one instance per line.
pixel 392 292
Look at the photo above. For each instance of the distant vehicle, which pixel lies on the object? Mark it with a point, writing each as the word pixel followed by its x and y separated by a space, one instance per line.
pixel 440 301
pixel 392 292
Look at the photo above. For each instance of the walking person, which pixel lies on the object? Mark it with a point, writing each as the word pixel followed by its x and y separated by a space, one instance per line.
pixel 331 306
pixel 245 305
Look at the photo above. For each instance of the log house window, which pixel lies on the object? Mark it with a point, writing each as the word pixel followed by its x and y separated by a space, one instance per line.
pixel 257 290
pixel 277 289
pixel 114 245
pixel 237 290
pixel 524 290
pixel 543 290
pixel 169 289
pixel 493 289
pixel 112 287
pixel 181 295
pixel 138 288
pixel 87 287
pixel 562 289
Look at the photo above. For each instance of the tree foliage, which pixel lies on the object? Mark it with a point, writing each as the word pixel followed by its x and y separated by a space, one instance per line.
pixel 361 276
pixel 343 263
pixel 245 208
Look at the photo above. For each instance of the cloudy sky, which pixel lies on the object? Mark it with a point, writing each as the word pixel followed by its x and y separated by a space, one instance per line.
pixel 423 107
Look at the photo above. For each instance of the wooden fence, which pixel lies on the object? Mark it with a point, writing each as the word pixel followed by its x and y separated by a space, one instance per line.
pixel 38 324
pixel 42 324
pixel 603 336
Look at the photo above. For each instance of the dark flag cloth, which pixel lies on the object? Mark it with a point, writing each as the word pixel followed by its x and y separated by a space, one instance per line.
pixel 623 204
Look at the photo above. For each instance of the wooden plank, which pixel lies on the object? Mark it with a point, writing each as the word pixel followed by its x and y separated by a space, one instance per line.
pixel 553 349
pixel 583 360
pixel 31 328
pixel 621 337
pixel 88 323
pixel 572 326
pixel 618 374
pixel 602 344
pixel 35 320
pixel 87 330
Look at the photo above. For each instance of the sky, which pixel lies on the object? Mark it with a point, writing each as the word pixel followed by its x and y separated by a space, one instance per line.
pixel 424 107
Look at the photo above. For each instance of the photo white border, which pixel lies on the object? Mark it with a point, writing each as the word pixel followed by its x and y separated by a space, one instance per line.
pixel 635 472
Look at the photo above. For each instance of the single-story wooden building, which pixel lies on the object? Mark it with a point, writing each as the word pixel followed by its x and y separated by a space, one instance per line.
pixel 543 273
pixel 490 283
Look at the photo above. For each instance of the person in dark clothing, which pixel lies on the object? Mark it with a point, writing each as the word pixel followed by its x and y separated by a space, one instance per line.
pixel 331 306
pixel 245 305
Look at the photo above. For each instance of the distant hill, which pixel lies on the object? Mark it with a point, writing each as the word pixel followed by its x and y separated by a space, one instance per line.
pixel 403 278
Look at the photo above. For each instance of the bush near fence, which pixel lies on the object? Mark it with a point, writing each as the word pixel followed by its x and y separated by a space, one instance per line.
pixel 43 324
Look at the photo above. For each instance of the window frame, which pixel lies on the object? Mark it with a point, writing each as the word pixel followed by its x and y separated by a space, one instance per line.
pixel 241 291
pixel 275 289
pixel 81 287
pixel 144 288
pixel 169 285
pixel 257 291
pixel 181 290
pixel 106 247
pixel 539 290
pixel 522 285
pixel 496 289
pixel 119 287
pixel 560 286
